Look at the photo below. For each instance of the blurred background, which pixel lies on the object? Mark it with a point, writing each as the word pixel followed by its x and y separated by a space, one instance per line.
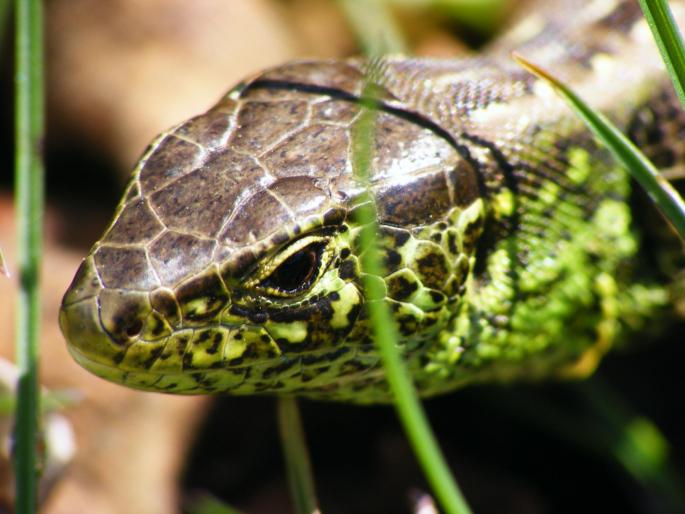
pixel 121 71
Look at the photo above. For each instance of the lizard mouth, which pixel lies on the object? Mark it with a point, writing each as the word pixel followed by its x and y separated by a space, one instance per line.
pixel 180 381
pixel 189 362
pixel 182 350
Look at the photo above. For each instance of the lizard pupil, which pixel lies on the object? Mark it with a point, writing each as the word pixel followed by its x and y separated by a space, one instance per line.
pixel 297 272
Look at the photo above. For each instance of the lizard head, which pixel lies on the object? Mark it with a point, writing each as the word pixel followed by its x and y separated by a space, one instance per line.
pixel 233 261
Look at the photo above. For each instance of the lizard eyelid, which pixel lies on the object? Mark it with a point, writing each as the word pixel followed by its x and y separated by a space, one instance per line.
pixel 296 273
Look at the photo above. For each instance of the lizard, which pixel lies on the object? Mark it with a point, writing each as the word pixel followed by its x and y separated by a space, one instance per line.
pixel 513 246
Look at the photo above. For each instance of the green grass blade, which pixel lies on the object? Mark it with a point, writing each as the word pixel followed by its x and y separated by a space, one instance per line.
pixel 378 34
pixel 29 212
pixel 407 403
pixel 374 26
pixel 669 41
pixel 665 197
pixel 300 478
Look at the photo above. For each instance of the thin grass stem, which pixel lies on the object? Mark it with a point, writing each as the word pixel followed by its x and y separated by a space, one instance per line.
pixel 297 462
pixel 29 214
pixel 379 35
pixel 406 400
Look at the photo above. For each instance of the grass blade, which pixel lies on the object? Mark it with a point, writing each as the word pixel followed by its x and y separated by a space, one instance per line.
pixel 378 34
pixel 407 403
pixel 669 41
pixel 29 209
pixel 300 478
pixel 665 197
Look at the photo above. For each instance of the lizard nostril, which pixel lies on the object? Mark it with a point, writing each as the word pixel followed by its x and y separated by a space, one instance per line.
pixel 123 315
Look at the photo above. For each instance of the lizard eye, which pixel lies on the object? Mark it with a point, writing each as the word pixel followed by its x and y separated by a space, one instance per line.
pixel 297 272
